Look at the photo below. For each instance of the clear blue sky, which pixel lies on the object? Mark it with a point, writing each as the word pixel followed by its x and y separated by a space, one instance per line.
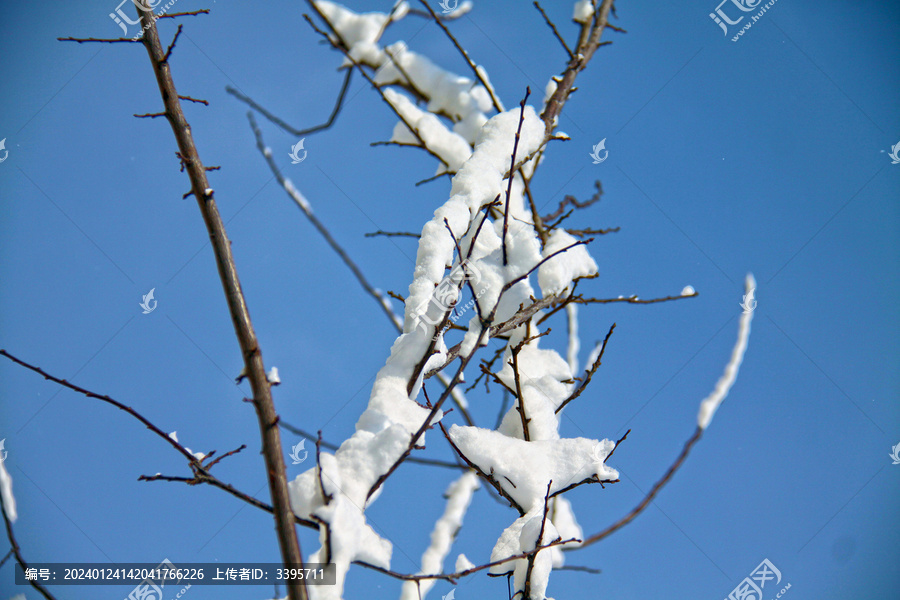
pixel 766 155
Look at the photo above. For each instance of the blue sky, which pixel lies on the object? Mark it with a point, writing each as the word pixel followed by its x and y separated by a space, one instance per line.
pixel 768 155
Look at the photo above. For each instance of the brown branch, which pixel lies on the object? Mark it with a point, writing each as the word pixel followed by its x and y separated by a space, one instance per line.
pixel 102 40
pixel 203 102
pixel 588 480
pixel 191 458
pixel 226 455
pixel 520 397
pixel 573 201
pixel 433 178
pixel 619 441
pixel 341 45
pixel 485 368
pixel 584 232
pixel 521 316
pixel 151 115
pixel 648 498
pixel 171 47
pixel 215 482
pixel 193 13
pixel 632 299
pixel 283 125
pixel 588 373
pixel 457 377
pixel 240 315
pixel 393 234
pixel 453 577
pixel 201 472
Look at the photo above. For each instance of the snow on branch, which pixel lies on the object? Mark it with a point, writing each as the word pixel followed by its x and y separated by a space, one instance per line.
pixel 711 403
pixel 458 495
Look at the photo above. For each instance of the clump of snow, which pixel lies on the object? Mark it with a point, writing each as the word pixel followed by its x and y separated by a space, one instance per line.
pixel 688 291
pixel 273 377
pixel 174 436
pixel 359 31
pixel 450 147
pixel 558 272
pixel 711 403
pixel 6 493
pixel 463 564
pixel 523 469
pixel 584 11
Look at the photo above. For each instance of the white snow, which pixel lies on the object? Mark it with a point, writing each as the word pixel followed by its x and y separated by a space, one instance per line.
pixel 451 147
pixel 359 31
pixel 459 495
pixel 297 197
pixel 558 272
pixel 174 436
pixel 463 564
pixel 688 291
pixel 583 12
pixel 9 501
pixel 273 377
pixel 523 469
pixel 574 341
pixel 711 403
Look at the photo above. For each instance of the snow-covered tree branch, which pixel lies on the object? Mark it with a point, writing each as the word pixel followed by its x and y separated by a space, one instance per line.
pixel 489 273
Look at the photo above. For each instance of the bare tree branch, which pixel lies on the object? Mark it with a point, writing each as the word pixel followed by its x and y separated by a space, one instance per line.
pixel 237 305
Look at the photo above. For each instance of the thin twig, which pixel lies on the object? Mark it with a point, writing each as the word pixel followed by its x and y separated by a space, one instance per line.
pixel 193 13
pixel 191 458
pixel 171 47
pixel 101 40
pixel 393 234
pixel 648 498
pixel 633 299
pixel 572 200
pixel 555 31
pixel 588 373
pixel 282 124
